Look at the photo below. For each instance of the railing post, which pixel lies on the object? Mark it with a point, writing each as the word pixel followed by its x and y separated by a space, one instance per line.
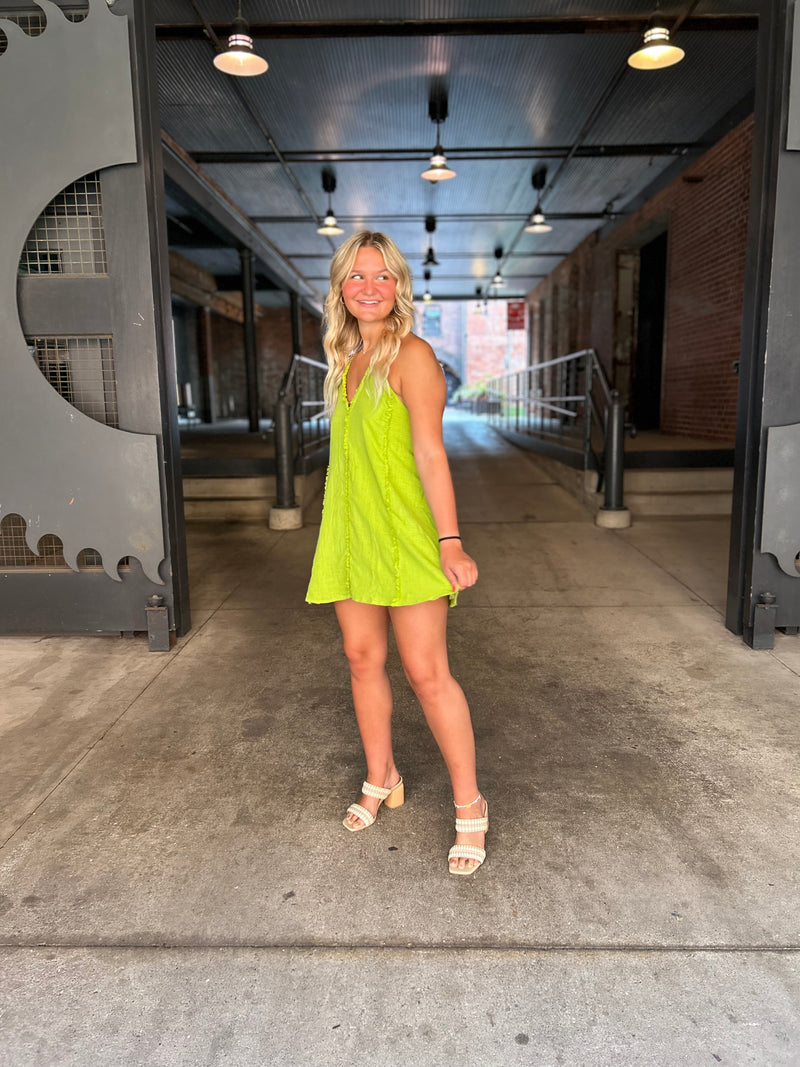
pixel 285 514
pixel 588 383
pixel 613 514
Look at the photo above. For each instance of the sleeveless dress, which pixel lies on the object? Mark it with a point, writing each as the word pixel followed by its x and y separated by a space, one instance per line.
pixel 378 542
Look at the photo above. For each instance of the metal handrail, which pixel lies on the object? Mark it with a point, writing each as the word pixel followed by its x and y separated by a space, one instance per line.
pixel 301 388
pixel 554 400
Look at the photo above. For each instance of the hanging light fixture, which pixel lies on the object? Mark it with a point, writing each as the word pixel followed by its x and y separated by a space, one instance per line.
pixel 438 171
pixel 498 281
pixel 239 58
pixel 537 223
pixel 657 51
pixel 430 227
pixel 426 296
pixel 330 227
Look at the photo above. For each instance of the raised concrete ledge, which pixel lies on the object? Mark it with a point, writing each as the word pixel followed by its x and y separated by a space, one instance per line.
pixel 244 499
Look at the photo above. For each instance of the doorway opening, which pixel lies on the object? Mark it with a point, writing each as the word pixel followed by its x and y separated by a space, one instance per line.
pixel 649 352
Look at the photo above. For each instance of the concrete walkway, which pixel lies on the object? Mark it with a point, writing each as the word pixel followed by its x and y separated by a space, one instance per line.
pixel 176 887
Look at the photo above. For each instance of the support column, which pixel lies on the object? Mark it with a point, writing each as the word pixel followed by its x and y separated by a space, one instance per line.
pixel 763 582
pixel 250 350
pixel 205 355
pixel 296 312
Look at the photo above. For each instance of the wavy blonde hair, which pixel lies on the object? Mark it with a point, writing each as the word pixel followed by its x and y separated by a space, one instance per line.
pixel 342 337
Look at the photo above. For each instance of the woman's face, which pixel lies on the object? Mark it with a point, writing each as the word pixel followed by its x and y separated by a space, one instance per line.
pixel 369 288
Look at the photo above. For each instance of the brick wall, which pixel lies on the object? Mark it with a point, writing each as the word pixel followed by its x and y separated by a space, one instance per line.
pixel 491 348
pixel 274 346
pixel 705 213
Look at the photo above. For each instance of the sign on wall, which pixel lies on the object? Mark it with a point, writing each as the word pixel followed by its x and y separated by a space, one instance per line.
pixel 516 314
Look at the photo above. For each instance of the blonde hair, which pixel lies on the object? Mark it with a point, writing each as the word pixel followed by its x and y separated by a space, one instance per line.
pixel 342 337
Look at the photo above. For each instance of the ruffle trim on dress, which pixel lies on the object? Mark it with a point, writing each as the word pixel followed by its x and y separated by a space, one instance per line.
pixel 387 494
pixel 346 453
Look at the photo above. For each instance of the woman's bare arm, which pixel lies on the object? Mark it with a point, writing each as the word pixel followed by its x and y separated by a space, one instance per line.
pixel 423 390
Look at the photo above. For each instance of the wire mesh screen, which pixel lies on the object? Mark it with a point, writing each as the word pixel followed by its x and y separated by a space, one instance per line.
pixel 81 369
pixel 15 554
pixel 34 24
pixel 68 237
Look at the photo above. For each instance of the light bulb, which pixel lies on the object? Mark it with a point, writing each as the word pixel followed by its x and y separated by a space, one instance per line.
pixel 330 227
pixel 438 170
pixel 239 59
pixel 656 52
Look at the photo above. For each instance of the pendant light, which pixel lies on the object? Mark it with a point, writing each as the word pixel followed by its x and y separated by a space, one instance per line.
pixel 430 227
pixel 537 223
pixel 239 58
pixel 498 281
pixel 426 296
pixel 438 171
pixel 656 51
pixel 330 227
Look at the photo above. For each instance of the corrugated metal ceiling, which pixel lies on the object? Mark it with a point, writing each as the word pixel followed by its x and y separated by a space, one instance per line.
pixel 332 98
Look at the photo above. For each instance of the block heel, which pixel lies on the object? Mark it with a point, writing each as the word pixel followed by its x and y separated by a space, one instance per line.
pixel 392 798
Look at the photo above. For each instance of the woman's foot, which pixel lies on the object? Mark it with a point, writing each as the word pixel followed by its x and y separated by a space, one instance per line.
pixel 352 821
pixel 476 810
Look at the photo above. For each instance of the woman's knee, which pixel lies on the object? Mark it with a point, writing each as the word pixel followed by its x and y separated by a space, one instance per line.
pixel 365 658
pixel 428 680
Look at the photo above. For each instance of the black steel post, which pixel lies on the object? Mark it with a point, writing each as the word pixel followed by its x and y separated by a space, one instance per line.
pixel 296 319
pixel 588 381
pixel 205 354
pixel 250 351
pixel 614 454
pixel 284 454
pixel 145 81
pixel 296 313
pixel 761 591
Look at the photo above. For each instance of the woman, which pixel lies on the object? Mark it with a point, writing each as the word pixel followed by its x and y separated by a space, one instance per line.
pixel 389 547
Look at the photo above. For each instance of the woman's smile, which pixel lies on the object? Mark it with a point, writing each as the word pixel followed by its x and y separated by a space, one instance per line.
pixel 369 289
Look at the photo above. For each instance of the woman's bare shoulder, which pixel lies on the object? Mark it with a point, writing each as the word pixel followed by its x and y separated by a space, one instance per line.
pixel 415 354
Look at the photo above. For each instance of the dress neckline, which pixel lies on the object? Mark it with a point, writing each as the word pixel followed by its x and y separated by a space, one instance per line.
pixel 349 403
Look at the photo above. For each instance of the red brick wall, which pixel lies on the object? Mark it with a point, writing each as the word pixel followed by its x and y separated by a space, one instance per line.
pixel 274 346
pixel 707 225
pixel 492 349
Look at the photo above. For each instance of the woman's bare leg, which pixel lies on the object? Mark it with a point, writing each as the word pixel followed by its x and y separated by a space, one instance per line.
pixel 365 633
pixel 421 634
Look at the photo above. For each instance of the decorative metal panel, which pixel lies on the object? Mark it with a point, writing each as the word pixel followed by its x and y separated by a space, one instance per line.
pixel 68 475
pixel 780 527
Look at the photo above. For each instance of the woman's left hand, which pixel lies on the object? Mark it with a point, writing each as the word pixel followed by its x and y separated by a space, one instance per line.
pixel 461 570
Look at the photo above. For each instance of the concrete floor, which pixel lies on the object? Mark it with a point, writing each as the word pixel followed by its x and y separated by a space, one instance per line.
pixel 176 888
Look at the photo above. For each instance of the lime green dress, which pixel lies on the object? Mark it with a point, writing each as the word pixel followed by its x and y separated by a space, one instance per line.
pixel 378 542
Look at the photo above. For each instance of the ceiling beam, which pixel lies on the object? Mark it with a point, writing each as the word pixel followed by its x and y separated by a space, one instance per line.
pixel 452 255
pixel 218 212
pixel 489 216
pixel 497 27
pixel 493 154
pixel 510 279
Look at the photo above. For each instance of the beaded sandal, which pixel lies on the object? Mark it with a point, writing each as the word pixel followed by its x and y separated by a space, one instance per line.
pixel 392 798
pixel 469 826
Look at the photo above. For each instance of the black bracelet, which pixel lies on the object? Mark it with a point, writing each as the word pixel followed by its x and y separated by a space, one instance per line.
pixel 451 537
